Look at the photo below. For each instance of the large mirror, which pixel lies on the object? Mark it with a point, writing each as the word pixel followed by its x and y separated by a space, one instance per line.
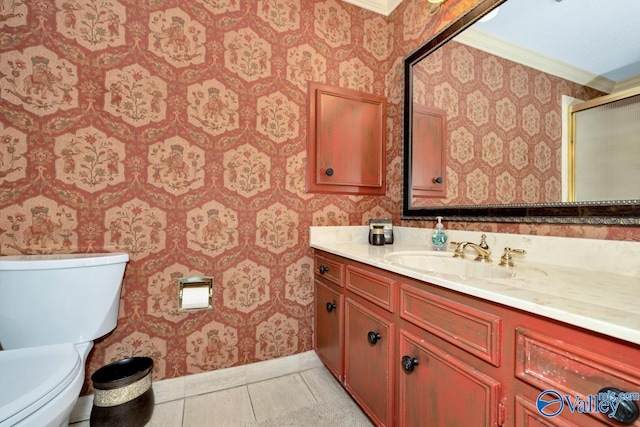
pixel 505 150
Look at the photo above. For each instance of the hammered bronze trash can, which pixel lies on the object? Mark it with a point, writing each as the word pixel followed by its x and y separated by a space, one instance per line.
pixel 123 394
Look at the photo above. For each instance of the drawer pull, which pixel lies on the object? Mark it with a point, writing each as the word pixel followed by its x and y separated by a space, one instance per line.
pixel 373 337
pixel 627 411
pixel 330 307
pixel 408 363
pixel 329 172
pixel 323 269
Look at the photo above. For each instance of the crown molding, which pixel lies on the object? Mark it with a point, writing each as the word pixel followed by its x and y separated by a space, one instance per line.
pixel 486 42
pixel 629 83
pixel 383 7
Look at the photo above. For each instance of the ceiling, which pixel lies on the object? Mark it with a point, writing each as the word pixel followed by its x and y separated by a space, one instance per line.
pixel 589 37
pixel 592 35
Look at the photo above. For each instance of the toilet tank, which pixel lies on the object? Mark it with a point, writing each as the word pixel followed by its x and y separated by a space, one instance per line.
pixel 53 299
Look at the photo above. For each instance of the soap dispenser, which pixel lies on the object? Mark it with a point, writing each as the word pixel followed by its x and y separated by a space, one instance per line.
pixel 439 236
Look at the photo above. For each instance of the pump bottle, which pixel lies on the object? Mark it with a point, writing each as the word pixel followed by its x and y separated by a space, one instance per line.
pixel 439 237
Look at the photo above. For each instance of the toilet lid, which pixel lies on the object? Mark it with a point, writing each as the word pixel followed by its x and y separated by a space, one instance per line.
pixel 30 377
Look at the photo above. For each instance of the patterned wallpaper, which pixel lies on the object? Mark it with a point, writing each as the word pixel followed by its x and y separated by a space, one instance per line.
pixel 504 142
pixel 175 131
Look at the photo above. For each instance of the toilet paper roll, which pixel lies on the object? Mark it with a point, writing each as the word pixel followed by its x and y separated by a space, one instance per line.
pixel 195 297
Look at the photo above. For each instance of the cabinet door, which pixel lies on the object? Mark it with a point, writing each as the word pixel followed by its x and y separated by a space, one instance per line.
pixel 329 327
pixel 578 373
pixel 368 356
pixel 437 389
pixel 346 149
pixel 428 152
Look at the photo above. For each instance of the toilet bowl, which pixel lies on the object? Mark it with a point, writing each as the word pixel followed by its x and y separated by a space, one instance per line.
pixel 44 382
pixel 51 309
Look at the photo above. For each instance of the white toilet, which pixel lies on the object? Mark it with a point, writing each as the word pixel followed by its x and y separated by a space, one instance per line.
pixel 52 307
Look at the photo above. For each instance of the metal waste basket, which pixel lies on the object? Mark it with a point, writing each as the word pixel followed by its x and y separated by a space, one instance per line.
pixel 123 394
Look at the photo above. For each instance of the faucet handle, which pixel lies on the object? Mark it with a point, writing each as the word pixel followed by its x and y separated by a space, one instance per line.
pixel 459 252
pixel 506 260
pixel 483 241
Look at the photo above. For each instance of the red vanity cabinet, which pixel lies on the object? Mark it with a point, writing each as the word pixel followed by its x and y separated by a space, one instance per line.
pixel 370 341
pixel 449 352
pixel 369 355
pixel 328 337
pixel 436 388
pixel 443 358
pixel 573 363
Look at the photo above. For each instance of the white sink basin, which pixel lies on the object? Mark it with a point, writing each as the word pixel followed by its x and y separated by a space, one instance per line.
pixel 445 263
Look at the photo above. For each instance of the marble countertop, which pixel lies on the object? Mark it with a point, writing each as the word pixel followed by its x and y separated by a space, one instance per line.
pixel 580 293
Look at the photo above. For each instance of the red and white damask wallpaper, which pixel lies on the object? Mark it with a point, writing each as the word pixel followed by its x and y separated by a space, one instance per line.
pixel 175 131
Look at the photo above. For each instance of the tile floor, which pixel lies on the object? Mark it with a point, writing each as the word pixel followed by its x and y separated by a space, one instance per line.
pixel 254 402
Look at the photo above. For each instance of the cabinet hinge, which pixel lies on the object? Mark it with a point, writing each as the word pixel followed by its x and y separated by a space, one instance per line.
pixel 502 409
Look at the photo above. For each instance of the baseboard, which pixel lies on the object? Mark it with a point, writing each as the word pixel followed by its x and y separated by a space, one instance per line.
pixel 207 382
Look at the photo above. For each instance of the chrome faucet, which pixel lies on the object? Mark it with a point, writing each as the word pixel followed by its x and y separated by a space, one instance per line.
pixel 482 249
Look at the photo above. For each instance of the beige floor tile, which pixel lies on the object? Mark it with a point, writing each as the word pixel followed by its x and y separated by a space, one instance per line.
pixel 241 406
pixel 279 396
pixel 221 379
pixel 323 384
pixel 309 360
pixel 167 414
pixel 273 368
pixel 226 408
pixel 168 390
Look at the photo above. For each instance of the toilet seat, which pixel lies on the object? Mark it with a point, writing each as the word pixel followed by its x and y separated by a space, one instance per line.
pixel 33 376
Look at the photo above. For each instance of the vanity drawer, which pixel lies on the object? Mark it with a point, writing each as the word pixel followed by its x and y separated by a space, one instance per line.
pixel 372 287
pixel 548 363
pixel 329 269
pixel 466 327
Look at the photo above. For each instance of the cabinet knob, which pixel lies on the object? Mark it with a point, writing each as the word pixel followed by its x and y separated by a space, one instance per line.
pixel 373 337
pixel 408 363
pixel 330 307
pixel 627 410
pixel 437 180
pixel 323 269
pixel 329 172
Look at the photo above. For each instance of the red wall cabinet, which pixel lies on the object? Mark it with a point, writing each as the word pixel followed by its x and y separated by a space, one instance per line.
pixel 346 141
pixel 428 164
